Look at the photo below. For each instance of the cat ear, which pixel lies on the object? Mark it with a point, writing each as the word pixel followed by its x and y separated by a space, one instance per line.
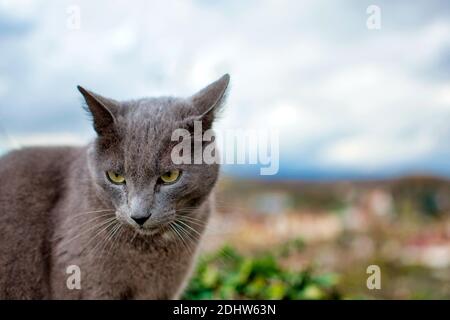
pixel 208 101
pixel 102 111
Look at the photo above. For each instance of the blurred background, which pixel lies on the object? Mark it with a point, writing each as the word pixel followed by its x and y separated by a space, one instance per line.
pixel 362 110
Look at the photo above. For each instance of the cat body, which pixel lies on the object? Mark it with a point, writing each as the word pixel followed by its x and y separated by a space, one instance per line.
pixel 62 217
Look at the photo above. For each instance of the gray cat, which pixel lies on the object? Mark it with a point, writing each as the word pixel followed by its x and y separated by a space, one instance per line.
pixel 117 209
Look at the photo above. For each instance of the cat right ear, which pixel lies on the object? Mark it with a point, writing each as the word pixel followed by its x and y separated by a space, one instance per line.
pixel 101 110
pixel 209 100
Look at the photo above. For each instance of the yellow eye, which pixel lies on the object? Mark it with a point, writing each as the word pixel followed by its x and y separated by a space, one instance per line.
pixel 170 176
pixel 115 177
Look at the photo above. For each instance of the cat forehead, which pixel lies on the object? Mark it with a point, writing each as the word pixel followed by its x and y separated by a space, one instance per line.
pixel 146 125
pixel 155 109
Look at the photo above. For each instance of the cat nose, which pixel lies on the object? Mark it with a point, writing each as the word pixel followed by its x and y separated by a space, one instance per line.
pixel 140 220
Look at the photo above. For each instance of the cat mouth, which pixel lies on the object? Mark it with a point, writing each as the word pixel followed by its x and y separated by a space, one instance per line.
pixel 151 231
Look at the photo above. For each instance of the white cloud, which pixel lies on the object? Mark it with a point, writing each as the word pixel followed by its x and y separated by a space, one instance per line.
pixel 33 140
pixel 369 152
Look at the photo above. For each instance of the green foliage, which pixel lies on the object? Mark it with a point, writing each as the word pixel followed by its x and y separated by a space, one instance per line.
pixel 229 275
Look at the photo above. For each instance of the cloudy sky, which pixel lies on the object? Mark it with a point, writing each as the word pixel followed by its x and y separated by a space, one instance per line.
pixel 348 101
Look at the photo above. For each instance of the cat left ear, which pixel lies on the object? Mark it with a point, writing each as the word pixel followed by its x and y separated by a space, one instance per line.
pixel 209 100
pixel 101 109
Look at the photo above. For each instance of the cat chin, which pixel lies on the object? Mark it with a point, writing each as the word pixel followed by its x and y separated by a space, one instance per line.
pixel 146 232
pixel 154 232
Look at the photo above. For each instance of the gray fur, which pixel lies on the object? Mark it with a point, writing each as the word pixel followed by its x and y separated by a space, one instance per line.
pixel 46 194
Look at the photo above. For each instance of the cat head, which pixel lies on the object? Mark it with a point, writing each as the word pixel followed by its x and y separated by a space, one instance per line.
pixel 130 160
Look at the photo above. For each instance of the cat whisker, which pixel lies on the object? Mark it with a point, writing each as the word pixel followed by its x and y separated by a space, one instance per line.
pixel 87 230
pixel 208 230
pixel 190 228
pixel 189 218
pixel 119 235
pixel 91 212
pixel 199 223
pixel 187 210
pixel 108 224
pixel 103 241
pixel 99 210
pixel 114 238
pixel 175 234
pixel 107 239
pixel 171 227
pixel 102 249
pixel 90 219
pixel 190 239
pixel 184 210
pixel 195 236
pixel 177 231
pixel 86 225
pixel 193 223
